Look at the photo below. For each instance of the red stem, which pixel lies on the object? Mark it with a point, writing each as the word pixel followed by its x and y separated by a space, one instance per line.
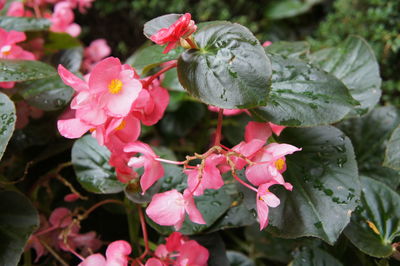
pixel 144 230
pixel 243 183
pixel 159 73
pixel 219 127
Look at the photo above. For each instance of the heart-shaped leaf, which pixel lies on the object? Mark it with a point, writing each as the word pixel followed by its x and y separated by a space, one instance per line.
pixel 230 70
pixel 376 222
pixel 23 70
pixel 24 23
pixel 325 185
pixel 355 64
pixel 90 161
pixel 7 121
pixel 18 220
pixel 303 95
pixel 392 158
pixel 289 49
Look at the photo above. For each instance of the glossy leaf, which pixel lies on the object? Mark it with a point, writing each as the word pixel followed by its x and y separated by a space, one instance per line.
pixel 24 23
pixel 392 158
pixel 23 70
pixel 152 56
pixel 238 259
pixel 230 70
pixel 303 95
pixel 216 247
pixel 153 26
pixel 289 49
pixel 70 58
pixel 18 220
pixel 314 257
pixel 325 185
pixel 56 41
pixel 90 161
pixel 7 121
pixel 376 222
pixel 289 8
pixel 355 64
pixel 46 94
pixel 171 81
pixel 369 135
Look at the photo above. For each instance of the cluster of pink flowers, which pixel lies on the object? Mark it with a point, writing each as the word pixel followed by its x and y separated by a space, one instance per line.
pixel 111 103
pixel 177 251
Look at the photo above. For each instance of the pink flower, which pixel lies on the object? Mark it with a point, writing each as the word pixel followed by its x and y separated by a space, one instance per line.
pixel 257 130
pixel 16 9
pixel 266 43
pixel 116 255
pixel 270 164
pixel 182 28
pixel 62 19
pixel 168 208
pixel 191 253
pixel 8 47
pixel 153 169
pixel 207 178
pixel 97 50
pixel 266 199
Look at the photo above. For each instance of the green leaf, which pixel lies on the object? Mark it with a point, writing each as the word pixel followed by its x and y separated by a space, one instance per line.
pixel 7 121
pixel 18 220
pixel 303 95
pixel 314 257
pixel 24 23
pixel 90 161
pixel 325 185
pixel 152 56
pixel 23 70
pixel 153 26
pixel 70 58
pixel 230 70
pixel 171 81
pixel 369 135
pixel 354 63
pixel 238 259
pixel 289 49
pixel 392 155
pixel 289 8
pixel 216 248
pixel 376 222
pixel 56 41
pixel 46 94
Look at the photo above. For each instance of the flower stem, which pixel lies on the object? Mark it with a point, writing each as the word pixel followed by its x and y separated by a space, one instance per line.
pixel 219 127
pixel 144 231
pixel 159 73
pixel 191 43
pixel 133 226
pixel 243 183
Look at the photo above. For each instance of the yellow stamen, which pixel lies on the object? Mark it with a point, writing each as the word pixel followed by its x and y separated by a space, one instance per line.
pixel 373 227
pixel 6 53
pixel 280 164
pixel 115 86
pixel 92 130
pixel 121 126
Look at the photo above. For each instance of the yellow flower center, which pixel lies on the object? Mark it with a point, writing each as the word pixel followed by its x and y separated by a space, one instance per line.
pixel 121 126
pixel 279 164
pixel 115 86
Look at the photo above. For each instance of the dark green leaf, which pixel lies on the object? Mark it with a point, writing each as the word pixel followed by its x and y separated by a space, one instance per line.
pixel 325 185
pixel 152 56
pixel 18 220
pixel 46 94
pixel 303 95
pixel 238 259
pixel 314 257
pixel 216 246
pixel 289 49
pixel 354 63
pixel 24 23
pixel 70 58
pixel 7 121
pixel 230 70
pixel 153 26
pixel 289 8
pixel 369 135
pixel 171 81
pixel 376 222
pixel 91 167
pixel 56 41
pixel 23 70
pixel 392 157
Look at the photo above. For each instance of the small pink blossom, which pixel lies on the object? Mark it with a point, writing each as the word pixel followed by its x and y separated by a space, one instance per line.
pixel 116 255
pixel 153 169
pixel 97 50
pixel 182 28
pixel 168 208
pixel 62 19
pixel 266 43
pixel 191 253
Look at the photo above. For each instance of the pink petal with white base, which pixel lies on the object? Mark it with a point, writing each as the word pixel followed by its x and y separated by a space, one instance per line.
pixel 102 74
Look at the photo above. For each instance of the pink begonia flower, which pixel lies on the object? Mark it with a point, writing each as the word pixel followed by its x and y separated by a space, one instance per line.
pixel 96 51
pixel 120 160
pixel 270 164
pixel 209 178
pixel 182 28
pixel 62 19
pixel 116 255
pixel 266 199
pixel 168 208
pixel 266 43
pixel 151 103
pixel 174 241
pixel 153 170
pixel 227 112
pixel 60 217
pixel 191 253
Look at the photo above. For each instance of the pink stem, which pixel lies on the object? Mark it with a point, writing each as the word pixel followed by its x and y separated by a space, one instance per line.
pixel 243 183
pixel 219 127
pixel 159 73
